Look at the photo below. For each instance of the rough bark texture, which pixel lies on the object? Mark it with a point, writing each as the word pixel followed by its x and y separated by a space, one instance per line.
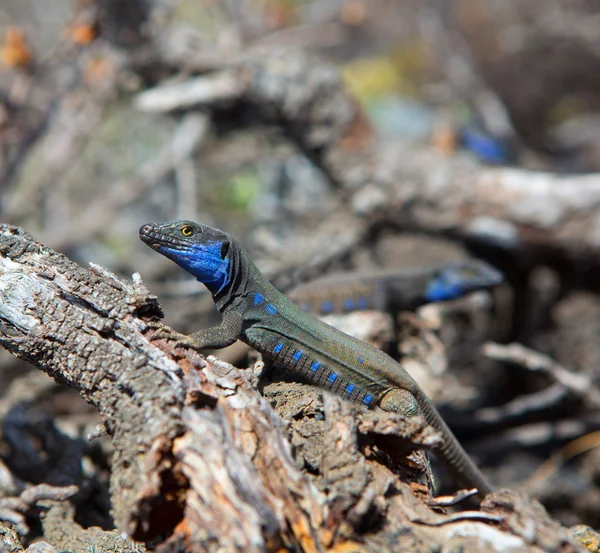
pixel 202 462
pixel 81 327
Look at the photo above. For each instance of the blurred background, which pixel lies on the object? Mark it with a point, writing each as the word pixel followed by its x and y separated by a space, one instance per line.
pixel 115 113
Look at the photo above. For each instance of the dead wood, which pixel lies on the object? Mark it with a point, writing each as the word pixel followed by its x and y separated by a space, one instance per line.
pixel 202 462
pixel 387 180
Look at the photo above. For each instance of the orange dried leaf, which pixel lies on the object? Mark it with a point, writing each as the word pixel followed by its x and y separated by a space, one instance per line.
pixel 358 133
pixel 445 140
pixel 353 13
pixel 279 14
pixel 97 70
pixel 83 34
pixel 15 50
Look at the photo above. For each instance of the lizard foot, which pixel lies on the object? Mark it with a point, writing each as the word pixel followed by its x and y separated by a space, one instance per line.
pixel 164 332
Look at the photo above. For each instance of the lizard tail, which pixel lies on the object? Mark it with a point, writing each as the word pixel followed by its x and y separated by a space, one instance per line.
pixel 451 452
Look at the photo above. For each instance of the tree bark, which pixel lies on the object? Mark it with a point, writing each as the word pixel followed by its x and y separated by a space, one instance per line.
pixel 203 463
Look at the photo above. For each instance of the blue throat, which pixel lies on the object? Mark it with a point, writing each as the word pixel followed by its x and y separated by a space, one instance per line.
pixel 204 262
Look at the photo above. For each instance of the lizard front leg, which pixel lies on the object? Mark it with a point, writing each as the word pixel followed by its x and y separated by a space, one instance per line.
pixel 216 337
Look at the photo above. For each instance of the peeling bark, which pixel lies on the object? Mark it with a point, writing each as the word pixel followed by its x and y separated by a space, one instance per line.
pixel 203 462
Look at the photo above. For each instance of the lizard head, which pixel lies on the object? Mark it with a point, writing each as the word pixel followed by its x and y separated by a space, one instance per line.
pixel 201 250
pixel 458 279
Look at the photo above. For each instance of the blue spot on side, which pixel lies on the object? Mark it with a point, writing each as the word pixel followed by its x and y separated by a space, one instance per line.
pixel 368 399
pixel 315 366
pixel 270 309
pixel 332 377
pixel 362 303
pixel 326 307
pixel 361 360
pixel 348 304
pixel 484 146
pixel 350 388
pixel 258 298
pixel 298 355
pixel 278 347
pixel 446 286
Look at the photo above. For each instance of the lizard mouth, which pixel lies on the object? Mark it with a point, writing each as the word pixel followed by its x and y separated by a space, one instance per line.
pixel 154 238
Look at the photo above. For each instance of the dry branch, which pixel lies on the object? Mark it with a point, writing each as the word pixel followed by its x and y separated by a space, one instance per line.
pixel 201 460
pixel 390 180
pixel 580 385
pixel 13 509
pixel 80 326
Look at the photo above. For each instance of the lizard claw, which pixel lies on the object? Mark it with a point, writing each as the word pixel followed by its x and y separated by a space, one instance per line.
pixel 164 332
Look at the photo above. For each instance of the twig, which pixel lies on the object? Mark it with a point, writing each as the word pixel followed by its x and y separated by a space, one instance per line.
pixel 578 384
pixel 538 434
pixel 209 89
pixel 523 406
pixel 14 509
pixel 465 515
pixel 564 454
pixel 188 135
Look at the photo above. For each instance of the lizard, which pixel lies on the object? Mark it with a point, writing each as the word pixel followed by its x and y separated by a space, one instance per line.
pixel 254 311
pixel 394 289
pixel 391 290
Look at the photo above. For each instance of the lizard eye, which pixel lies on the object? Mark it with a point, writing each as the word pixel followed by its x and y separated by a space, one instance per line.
pixel 187 230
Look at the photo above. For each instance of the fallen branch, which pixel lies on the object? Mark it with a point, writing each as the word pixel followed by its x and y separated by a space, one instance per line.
pixel 389 180
pixel 14 509
pixel 579 385
pixel 201 461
